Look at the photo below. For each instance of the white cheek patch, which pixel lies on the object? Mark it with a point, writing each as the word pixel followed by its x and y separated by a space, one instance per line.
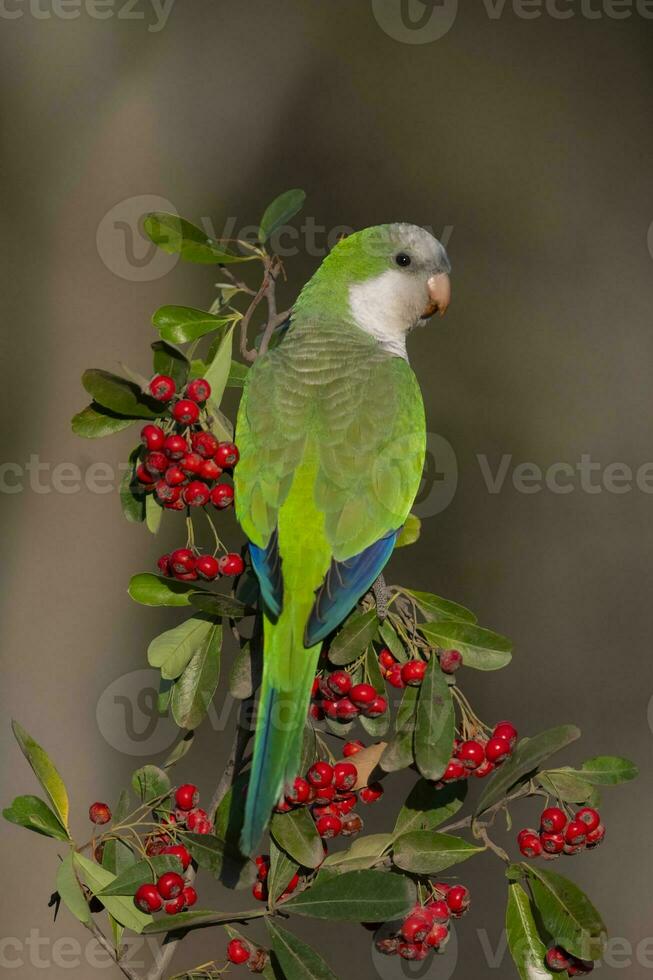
pixel 387 307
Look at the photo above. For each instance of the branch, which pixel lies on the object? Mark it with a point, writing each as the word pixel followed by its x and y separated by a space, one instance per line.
pixel 106 945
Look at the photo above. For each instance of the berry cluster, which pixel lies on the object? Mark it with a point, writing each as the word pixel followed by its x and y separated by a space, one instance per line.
pixel 426 928
pixel 338 698
pixel 239 951
pixel 560 835
pixel 558 960
pixel 171 893
pixel 187 565
pixel 411 673
pixel 479 756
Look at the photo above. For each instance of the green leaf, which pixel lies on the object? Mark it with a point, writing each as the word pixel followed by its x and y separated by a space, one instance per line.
pixel 565 785
pixel 376 727
pixel 33 814
pixel 231 812
pixel 70 891
pixel 171 361
pixel 365 852
pixel 237 375
pixel 426 852
pixel 280 211
pixel 481 649
pixel 181 324
pixel 359 896
pixel 154 590
pixel 181 749
pixel 197 918
pixel 94 422
pixel 132 494
pixel 390 638
pixel 428 806
pixel 217 373
pixel 173 650
pixel 208 850
pixel 435 722
pixel 45 772
pixel 149 783
pixel 296 834
pixel 567 913
pixel 176 236
pixel 121 908
pixel 297 960
pixel 282 869
pixel 528 755
pixel 241 685
pixel 193 692
pixel 527 949
pixel 398 753
pixel 153 513
pixel 359 630
pixel 216 604
pixel 410 532
pixel 120 396
pixel 608 770
pixel 434 608
pixel 138 874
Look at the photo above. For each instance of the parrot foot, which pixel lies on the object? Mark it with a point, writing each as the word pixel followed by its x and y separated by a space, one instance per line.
pixel 381 594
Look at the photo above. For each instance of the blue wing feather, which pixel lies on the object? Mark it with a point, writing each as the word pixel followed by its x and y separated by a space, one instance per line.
pixel 267 565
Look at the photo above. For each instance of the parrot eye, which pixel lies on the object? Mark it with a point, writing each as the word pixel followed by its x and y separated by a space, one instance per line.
pixel 402 259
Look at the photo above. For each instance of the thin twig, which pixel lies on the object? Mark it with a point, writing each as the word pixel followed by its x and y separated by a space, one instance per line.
pixel 106 945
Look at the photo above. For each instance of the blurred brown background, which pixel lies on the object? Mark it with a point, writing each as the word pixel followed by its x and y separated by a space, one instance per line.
pixel 527 143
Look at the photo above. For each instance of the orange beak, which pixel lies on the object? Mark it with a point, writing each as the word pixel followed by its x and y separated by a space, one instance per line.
pixel 439 287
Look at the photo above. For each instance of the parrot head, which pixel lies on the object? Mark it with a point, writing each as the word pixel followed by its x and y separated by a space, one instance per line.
pixel 388 279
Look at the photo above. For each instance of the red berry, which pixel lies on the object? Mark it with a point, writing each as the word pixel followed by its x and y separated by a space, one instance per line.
pixel 292 884
pixel 497 749
pixel 362 694
pixel 557 959
pixel 412 673
pixel 196 494
pixel 198 390
pixel 156 463
pixel 412 951
pixel 170 885
pixel 471 754
pixel 345 775
pixel 346 804
pixel 163 564
pixel 370 794
pixel 529 843
pixel 185 412
pixel 324 794
pixel 189 896
pixel 152 437
pixel 458 900
pixel 175 476
pixel 553 820
pixel 99 813
pixel 351 824
pixel 330 708
pixel 437 935
pixel 589 817
pixel 442 889
pixel 320 774
pixel 386 659
pixel 162 387
pixel 504 729
pixel 195 817
pixel 166 494
pixel 147 899
pixel 438 910
pixel 455 770
pixel 226 455
pixel 231 564
pixel 238 952
pixel 209 470
pixel 191 463
pixel 208 567
pixel 182 560
pixel 204 443
pixel 376 708
pixel 222 495
pixel 175 905
pixel 394 676
pixel 175 446
pixel 575 832
pixel 179 851
pixel 346 709
pixel 552 842
pixel 415 927
pixel 351 748
pixel 450 661
pixel 144 477
pixel 596 836
pixel 329 826
pixel 340 682
pixel 301 792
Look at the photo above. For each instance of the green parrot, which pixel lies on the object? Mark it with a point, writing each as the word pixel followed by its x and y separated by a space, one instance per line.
pixel 332 436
